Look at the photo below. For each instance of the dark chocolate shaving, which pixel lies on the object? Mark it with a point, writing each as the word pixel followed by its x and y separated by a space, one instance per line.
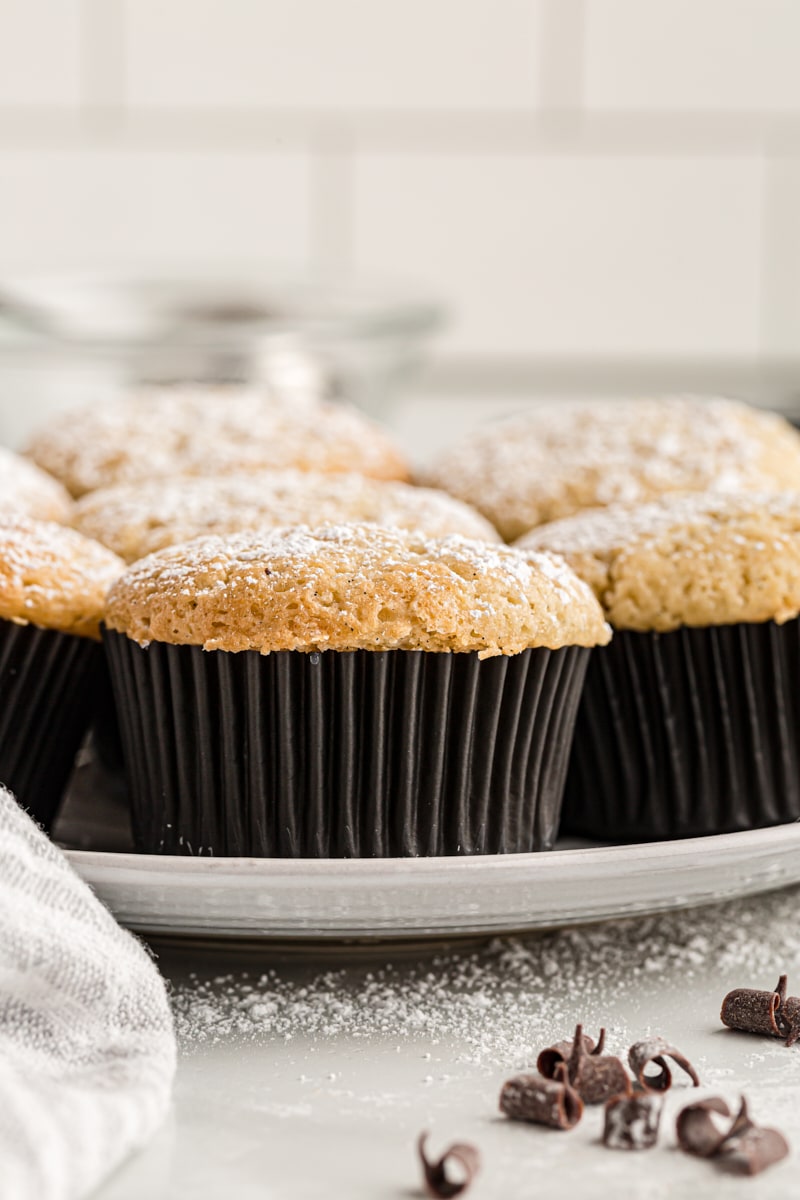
pixel 789 1020
pixel 653 1052
pixel 551 1102
pixel 755 1150
pixel 631 1122
pixel 748 1149
pixel 697 1131
pixel 596 1078
pixel 772 1013
pixel 753 1011
pixel 437 1181
pixel 549 1059
pixel 745 1148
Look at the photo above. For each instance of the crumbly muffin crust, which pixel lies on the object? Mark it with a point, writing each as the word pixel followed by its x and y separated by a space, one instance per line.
pixel 27 490
pixel 354 587
pixel 137 519
pixel 560 459
pixel 686 560
pixel 53 577
pixel 172 432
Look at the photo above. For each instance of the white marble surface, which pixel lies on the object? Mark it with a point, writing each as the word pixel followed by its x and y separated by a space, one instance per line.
pixel 378 1053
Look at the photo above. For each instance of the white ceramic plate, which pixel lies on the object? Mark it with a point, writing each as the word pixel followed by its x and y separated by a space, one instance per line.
pixel 390 898
pixel 406 898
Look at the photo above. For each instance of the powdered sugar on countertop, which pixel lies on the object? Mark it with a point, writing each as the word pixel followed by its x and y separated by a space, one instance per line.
pixel 297 1073
pixel 496 1004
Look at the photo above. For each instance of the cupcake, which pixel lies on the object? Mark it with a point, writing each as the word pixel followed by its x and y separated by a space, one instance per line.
pixel 177 431
pixel 349 691
pixel 30 492
pixel 690 719
pixel 53 583
pixel 556 460
pixel 137 519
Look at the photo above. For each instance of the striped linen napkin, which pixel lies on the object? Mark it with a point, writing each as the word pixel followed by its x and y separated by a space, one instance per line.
pixel 87 1048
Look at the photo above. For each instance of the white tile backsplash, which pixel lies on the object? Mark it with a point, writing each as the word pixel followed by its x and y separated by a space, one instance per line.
pixel 339 54
pixel 40 52
pixel 100 208
pixel 578 179
pixel 781 283
pixel 692 55
pixel 560 256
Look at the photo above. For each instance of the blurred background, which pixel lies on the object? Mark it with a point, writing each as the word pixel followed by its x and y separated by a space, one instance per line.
pixel 602 194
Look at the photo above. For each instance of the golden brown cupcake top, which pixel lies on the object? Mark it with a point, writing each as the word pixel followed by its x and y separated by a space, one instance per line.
pixel 29 491
pixel 137 519
pixel 559 459
pixel 354 587
pixel 172 432
pixel 53 577
pixel 686 560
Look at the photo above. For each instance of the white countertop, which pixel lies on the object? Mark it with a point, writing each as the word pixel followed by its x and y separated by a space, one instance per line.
pixel 318 1089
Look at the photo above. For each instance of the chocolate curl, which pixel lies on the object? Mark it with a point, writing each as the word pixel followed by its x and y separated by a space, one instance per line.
pixel 596 1079
pixel 437 1182
pixel 697 1132
pixel 754 1011
pixel 551 1102
pixel 789 1020
pixel 654 1052
pixel 748 1149
pixel 550 1058
pixel 631 1122
pixel 744 1148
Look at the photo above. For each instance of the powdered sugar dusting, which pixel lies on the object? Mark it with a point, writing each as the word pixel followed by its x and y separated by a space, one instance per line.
pixel 138 519
pixel 354 587
pixel 604 530
pixel 370 546
pixel 52 576
pixel 696 560
pixel 27 490
pixel 558 460
pixel 169 432
pixel 31 546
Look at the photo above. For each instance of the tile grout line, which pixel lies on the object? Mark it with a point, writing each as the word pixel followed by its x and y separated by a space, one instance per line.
pixel 554 133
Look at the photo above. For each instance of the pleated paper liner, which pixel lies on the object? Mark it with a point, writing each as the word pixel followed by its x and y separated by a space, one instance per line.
pixel 688 733
pixel 106 741
pixel 47 683
pixel 351 754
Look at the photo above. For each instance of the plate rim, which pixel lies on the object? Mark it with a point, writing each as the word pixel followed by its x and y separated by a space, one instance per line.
pixel 660 851
pixel 390 899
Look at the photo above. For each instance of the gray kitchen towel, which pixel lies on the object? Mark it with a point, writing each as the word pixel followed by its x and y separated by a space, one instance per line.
pixel 87 1047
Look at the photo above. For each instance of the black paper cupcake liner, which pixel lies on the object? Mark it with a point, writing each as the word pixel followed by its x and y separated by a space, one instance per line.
pixel 47 682
pixel 106 739
pixel 344 754
pixel 688 733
